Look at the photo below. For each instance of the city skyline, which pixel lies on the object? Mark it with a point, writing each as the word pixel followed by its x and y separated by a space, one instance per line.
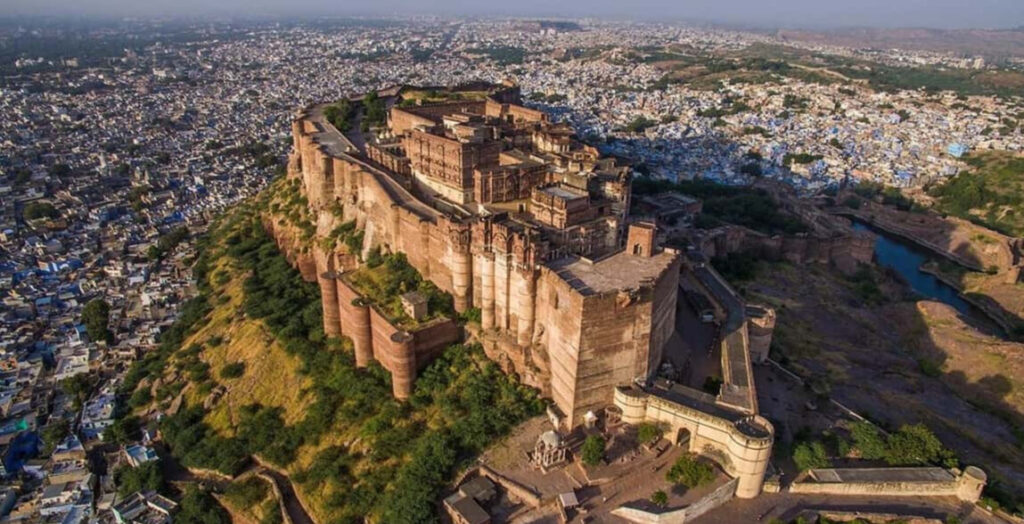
pixel 992 14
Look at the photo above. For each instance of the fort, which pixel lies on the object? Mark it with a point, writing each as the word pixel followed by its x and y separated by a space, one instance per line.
pixel 511 216
pixel 530 232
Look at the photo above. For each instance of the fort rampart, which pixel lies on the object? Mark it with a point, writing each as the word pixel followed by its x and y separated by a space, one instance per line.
pixel 587 341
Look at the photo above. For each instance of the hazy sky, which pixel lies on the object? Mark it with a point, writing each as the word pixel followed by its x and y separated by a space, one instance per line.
pixel 768 13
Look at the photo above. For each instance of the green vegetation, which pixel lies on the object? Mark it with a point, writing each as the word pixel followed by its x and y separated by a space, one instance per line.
pixel 988 194
pixel 911 445
pixel 124 430
pixel 38 210
pixel 233 370
pixel 649 431
pixel 60 170
pixel 53 434
pixel 690 472
pixel 866 286
pixel 729 109
pixel 406 451
pixel 659 498
pixel 146 477
pixel 339 114
pixel 737 267
pixel 260 152
pixel 502 55
pixel 744 206
pixel 799 158
pixel 383 286
pixel 96 318
pixel 810 455
pixel 199 507
pixel 553 98
pixel 712 385
pixel 808 66
pixel 640 124
pixel 167 242
pixel 376 112
pixel 347 234
pixel 247 493
pixel 79 387
pixel 890 196
pixel 140 398
pixel 592 452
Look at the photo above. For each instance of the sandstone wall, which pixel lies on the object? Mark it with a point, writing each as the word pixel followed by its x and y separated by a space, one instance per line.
pixel 966 485
pixel 599 341
pixel 719 496
pixel 403 353
pixel 843 251
pixel 741 446
pixel 531 321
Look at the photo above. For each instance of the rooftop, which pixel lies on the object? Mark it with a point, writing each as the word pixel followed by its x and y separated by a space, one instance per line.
pixel 563 192
pixel 832 475
pixel 616 272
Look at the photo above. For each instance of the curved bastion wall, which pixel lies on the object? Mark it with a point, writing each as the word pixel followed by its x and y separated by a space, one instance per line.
pixel 742 446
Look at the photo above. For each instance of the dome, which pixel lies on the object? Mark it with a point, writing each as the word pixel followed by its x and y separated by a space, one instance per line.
pixel 551 439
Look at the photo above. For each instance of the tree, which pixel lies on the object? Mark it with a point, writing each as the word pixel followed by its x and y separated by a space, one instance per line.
pixel 96 317
pixel 79 388
pixel 199 507
pixel 54 434
pixel 145 477
pixel 647 431
pixel 810 455
pixel 123 430
pixel 868 440
pixel 916 444
pixel 592 452
pixel 659 498
pixel 690 472
pixel 37 210
pixel 140 398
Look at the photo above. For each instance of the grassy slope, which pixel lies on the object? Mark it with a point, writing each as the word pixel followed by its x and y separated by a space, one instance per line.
pixel 271 375
pixel 372 445
pixel 988 192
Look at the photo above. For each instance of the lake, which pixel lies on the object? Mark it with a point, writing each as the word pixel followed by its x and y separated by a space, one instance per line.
pixel 906 258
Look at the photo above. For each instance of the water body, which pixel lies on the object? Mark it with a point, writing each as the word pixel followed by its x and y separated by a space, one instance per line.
pixel 906 258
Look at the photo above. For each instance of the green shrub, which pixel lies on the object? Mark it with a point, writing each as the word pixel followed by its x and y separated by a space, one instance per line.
pixel 690 472
pixel 233 370
pixel 143 478
pixel 649 431
pixel 592 452
pixel 810 455
pixel 140 398
pixel 198 506
pixel 246 493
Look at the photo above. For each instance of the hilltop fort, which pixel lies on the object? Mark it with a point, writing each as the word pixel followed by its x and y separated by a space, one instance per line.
pixel 530 232
pixel 513 217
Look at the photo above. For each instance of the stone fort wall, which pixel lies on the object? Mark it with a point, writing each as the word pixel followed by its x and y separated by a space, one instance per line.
pixel 574 346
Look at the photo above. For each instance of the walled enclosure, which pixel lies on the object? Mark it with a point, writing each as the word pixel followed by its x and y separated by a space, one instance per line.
pixel 742 445
pixel 533 321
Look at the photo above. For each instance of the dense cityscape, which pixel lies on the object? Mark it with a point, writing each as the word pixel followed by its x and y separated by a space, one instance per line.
pixel 114 161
